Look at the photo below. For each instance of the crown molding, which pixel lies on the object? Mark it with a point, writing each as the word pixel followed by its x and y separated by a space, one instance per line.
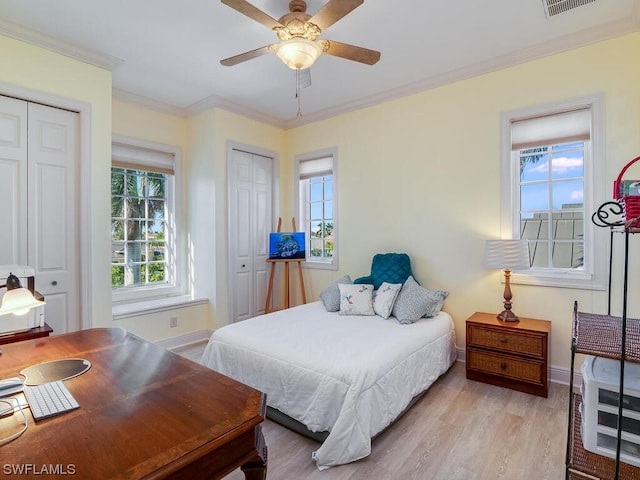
pixel 544 49
pixel 19 32
pixel 214 101
pixel 149 103
pixel 561 44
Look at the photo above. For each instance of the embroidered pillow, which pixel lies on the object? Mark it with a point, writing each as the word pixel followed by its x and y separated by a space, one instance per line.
pixel 385 298
pixel 356 299
pixel 330 296
pixel 415 301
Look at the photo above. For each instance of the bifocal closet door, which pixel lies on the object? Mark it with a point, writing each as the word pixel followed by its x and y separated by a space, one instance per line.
pixel 39 162
pixel 53 163
pixel 13 181
pixel 250 221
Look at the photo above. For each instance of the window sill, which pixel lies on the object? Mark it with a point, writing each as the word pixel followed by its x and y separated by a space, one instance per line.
pixel 558 280
pixel 320 265
pixel 134 309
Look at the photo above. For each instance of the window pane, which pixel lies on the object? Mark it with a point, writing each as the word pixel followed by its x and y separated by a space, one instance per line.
pixel 567 194
pixel 316 211
pixel 315 191
pixel 539 252
pixel 328 246
pixel 117 183
pixel 117 229
pixel 534 197
pixel 568 255
pixel 316 247
pixel 138 228
pixel 534 165
pixel 317 205
pixel 135 230
pixel 155 209
pixel 556 230
pixel 117 276
pixel 328 210
pixel 328 189
pixel 567 163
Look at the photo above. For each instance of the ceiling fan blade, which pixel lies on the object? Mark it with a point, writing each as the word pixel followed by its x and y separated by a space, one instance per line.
pixel 243 57
pixel 255 13
pixel 333 11
pixel 350 52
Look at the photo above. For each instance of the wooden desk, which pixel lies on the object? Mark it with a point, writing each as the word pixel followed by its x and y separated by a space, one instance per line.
pixel 144 413
pixel 36 332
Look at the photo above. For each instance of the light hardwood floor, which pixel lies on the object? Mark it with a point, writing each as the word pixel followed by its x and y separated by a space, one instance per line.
pixel 459 430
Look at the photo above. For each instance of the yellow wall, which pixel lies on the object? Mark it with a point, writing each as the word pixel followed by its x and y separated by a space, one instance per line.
pixel 33 73
pixel 422 175
pixel 210 132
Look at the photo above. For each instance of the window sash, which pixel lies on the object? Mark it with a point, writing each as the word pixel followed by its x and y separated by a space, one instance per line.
pixel 548 222
pixel 142 156
pixel 318 165
pixel 593 275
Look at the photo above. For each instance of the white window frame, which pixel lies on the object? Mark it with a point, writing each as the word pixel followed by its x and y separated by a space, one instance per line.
pixel 327 264
pixel 593 274
pixel 143 154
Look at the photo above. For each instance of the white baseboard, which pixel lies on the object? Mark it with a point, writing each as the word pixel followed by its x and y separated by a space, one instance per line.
pixel 558 375
pixel 185 340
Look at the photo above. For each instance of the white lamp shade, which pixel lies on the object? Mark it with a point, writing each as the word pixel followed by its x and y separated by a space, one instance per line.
pixel 18 301
pixel 507 254
pixel 298 53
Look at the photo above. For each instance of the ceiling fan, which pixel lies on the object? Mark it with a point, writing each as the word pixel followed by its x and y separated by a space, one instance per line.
pixel 298 31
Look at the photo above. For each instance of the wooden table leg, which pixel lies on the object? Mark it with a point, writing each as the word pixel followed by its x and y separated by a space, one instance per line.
pixel 257 468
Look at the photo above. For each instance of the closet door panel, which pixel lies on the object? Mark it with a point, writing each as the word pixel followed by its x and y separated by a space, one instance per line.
pixel 13 181
pixel 53 163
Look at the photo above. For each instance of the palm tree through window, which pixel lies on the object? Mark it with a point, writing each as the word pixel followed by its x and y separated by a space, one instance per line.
pixel 138 227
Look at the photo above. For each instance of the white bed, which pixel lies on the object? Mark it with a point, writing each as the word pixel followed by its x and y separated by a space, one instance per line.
pixel 349 375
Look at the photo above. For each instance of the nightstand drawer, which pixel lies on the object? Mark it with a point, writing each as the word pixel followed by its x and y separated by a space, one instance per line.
pixel 530 371
pixel 503 339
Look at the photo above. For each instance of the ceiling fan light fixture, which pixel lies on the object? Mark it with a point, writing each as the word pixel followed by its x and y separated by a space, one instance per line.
pixel 298 53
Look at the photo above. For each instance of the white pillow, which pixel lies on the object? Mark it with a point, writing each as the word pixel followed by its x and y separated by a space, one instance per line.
pixel 356 299
pixel 385 298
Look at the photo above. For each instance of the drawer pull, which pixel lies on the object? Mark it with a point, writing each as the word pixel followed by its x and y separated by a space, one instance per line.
pixel 503 366
pixel 504 340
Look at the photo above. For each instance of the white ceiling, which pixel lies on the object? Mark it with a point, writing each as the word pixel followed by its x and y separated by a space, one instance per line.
pixel 166 53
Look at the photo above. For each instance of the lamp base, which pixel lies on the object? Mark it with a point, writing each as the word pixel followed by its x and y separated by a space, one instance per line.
pixel 507 316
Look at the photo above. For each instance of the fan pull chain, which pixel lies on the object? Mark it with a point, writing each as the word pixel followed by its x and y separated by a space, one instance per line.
pixel 299 112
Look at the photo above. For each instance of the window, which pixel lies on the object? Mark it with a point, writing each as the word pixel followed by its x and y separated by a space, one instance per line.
pixel 316 177
pixel 551 158
pixel 144 253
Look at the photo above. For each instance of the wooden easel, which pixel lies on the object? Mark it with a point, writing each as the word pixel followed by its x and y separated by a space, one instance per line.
pixel 285 263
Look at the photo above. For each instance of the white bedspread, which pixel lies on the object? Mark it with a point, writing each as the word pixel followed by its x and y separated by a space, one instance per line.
pixel 349 375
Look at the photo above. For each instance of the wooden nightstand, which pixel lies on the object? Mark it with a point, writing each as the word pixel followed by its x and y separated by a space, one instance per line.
pixel 511 355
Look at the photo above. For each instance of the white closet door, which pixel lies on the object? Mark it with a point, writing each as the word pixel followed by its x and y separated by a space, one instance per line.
pixel 13 181
pixel 250 221
pixel 53 162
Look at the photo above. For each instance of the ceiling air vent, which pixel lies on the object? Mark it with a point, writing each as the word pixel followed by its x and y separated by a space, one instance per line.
pixel 555 7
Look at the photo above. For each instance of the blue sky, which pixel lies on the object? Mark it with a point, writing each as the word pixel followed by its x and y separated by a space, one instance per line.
pixel 565 178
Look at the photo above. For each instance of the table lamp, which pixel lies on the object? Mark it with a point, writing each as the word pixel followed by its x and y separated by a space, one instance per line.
pixel 17 299
pixel 507 255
